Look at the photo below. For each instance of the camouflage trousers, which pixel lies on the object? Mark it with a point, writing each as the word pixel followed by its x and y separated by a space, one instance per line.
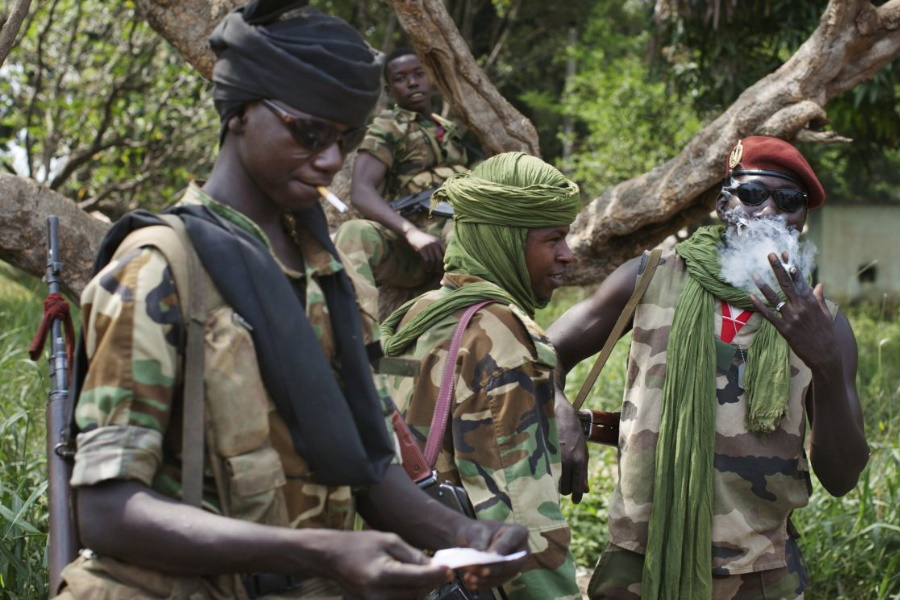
pixel 619 572
pixel 382 257
pixel 93 578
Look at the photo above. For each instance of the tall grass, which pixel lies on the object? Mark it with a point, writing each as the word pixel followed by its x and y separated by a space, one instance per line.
pixel 23 480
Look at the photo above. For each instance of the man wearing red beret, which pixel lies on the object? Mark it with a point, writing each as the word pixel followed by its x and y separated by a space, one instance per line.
pixel 733 354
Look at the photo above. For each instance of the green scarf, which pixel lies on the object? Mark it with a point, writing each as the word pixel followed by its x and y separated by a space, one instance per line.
pixel 494 206
pixel 677 561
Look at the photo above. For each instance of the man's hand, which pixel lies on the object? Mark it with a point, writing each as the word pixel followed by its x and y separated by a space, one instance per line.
pixel 573 450
pixel 803 318
pixel 429 247
pixel 492 536
pixel 376 566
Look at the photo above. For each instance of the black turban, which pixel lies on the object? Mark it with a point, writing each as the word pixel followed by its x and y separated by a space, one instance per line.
pixel 310 61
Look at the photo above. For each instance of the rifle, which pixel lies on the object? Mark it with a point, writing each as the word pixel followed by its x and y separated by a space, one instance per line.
pixel 421 202
pixel 63 537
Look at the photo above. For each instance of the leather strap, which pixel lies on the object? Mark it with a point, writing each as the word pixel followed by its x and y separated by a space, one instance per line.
pixel 411 456
pixel 442 409
pixel 190 284
pixel 642 282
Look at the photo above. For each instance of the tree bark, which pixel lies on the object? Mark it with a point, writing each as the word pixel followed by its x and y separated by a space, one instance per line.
pixel 24 208
pixel 10 22
pixel 854 40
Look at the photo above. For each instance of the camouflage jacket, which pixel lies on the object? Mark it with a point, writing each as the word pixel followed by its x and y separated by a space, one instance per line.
pixel 501 444
pixel 129 408
pixel 417 152
pixel 758 480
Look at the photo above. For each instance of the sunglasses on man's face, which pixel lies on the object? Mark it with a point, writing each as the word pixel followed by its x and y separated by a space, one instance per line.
pixel 752 193
pixel 314 134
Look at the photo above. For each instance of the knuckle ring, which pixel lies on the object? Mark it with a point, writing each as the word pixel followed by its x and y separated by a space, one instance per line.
pixel 780 305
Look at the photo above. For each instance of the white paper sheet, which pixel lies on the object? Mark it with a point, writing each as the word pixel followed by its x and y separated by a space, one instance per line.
pixel 455 558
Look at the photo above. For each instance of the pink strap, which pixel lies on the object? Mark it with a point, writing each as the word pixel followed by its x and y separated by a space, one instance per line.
pixel 442 410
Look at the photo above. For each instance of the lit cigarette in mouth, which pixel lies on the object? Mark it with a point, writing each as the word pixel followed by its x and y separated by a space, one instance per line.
pixel 332 199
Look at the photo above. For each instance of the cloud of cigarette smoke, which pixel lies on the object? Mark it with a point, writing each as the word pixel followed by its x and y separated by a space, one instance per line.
pixel 747 244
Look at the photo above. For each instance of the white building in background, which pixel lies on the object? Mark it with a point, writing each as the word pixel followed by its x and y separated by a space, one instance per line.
pixel 858 250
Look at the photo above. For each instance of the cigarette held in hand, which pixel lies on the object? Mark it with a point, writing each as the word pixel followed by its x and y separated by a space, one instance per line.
pixel 332 199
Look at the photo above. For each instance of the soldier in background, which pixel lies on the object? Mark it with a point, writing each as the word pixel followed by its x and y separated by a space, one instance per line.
pixel 511 215
pixel 407 150
pixel 733 356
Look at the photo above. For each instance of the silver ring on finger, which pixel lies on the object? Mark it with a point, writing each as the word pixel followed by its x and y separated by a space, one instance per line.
pixel 780 305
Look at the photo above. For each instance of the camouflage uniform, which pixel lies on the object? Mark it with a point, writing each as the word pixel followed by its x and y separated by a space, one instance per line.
pixel 130 417
pixel 501 444
pixel 419 154
pixel 758 480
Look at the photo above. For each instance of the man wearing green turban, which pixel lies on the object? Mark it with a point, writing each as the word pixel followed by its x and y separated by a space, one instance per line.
pixel 512 214
pixel 732 355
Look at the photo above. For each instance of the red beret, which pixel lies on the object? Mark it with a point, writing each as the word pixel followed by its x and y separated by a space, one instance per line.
pixel 779 159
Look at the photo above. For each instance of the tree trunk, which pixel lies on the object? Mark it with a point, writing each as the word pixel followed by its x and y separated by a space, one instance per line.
pixel 854 40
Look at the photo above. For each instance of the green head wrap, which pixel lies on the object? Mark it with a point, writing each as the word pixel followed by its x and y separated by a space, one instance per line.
pixel 494 206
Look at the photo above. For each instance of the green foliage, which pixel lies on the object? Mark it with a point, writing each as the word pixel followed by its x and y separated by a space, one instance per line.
pixel 98 107
pixel 626 122
pixel 23 483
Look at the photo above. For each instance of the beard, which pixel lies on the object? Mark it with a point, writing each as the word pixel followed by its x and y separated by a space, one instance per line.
pixel 747 244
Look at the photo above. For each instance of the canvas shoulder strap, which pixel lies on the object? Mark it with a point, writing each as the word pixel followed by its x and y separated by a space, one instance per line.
pixel 173 242
pixel 643 281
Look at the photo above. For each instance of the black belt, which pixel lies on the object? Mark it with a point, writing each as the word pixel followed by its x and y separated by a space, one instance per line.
pixel 262 584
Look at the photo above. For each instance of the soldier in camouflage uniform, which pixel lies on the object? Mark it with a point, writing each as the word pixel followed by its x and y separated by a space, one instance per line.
pixel 722 384
pixel 282 338
pixel 501 443
pixel 407 149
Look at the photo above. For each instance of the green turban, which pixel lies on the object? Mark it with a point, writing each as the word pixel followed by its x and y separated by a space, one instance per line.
pixel 494 206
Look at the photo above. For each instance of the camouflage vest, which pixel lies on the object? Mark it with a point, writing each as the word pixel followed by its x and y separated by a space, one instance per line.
pixel 501 443
pixel 758 480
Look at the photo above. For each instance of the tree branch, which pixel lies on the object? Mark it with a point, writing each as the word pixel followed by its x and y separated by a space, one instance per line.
pixel 10 23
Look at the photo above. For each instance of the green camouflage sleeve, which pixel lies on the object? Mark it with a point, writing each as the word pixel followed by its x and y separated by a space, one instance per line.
pixel 132 330
pixel 381 138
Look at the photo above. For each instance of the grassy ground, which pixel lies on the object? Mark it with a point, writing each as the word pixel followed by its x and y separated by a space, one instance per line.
pixel 852 544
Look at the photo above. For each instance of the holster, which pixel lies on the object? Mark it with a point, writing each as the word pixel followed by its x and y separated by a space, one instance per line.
pixel 600 426
pixel 452 496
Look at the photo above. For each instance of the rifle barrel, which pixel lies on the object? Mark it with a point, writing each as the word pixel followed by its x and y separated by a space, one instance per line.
pixel 63 544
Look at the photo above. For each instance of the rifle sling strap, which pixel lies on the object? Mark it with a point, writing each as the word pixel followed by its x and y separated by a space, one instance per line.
pixel 418 465
pixel 643 280
pixel 174 244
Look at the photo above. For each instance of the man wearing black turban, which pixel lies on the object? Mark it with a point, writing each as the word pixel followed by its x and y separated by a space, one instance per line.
pixel 292 434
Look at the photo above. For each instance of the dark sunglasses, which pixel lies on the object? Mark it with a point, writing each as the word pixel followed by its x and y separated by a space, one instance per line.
pixel 752 193
pixel 314 134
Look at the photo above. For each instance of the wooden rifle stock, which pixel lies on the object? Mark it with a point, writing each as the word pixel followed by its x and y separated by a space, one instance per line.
pixel 600 426
pixel 63 537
